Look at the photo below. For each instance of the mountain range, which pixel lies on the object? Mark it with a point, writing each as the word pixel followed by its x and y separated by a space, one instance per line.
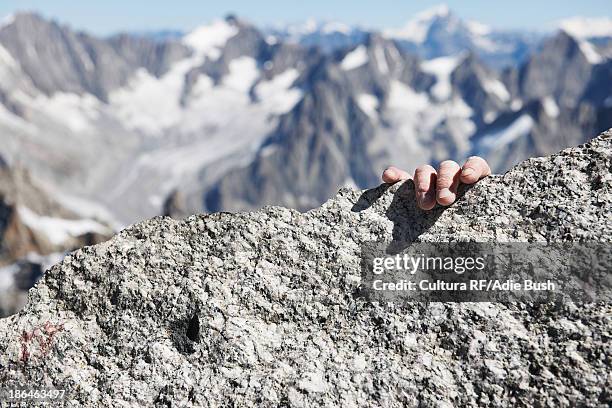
pixel 232 117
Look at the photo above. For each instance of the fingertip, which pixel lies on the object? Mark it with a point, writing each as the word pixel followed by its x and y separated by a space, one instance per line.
pixel 469 175
pixel 389 175
pixel 424 178
pixel 467 171
pixel 445 197
pixel 426 201
pixel 474 169
pixel 392 175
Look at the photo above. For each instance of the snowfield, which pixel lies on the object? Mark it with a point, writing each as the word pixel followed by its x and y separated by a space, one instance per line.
pixel 442 68
pixel 503 137
pixel 213 106
pixel 207 40
pixel 58 230
pixel 355 58
pixel 584 28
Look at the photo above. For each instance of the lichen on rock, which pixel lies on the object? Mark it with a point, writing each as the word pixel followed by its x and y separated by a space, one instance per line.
pixel 257 309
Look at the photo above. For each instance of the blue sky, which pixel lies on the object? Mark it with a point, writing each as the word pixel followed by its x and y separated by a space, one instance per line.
pixel 108 16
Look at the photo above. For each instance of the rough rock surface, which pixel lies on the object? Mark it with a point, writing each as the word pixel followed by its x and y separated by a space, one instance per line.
pixel 256 309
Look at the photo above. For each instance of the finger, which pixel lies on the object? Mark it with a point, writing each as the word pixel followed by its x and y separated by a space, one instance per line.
pixel 474 169
pixel 447 182
pixel 425 186
pixel 393 175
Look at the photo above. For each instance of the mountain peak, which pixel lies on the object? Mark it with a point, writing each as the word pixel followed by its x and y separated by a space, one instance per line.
pixel 7 20
pixel 568 40
pixel 26 21
pixel 206 39
pixel 24 16
pixel 439 11
pixel 417 29
pixel 584 27
pixel 233 19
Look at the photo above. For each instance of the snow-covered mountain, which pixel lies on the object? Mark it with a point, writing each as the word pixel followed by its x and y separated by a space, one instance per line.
pixel 125 120
pixel 35 232
pixel 232 117
pixel 433 33
pixel 439 32
pixel 327 36
pixel 587 28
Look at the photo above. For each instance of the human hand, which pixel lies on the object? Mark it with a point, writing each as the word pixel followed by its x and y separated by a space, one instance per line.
pixel 440 186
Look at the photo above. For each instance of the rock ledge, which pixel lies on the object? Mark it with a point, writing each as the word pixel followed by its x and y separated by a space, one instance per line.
pixel 256 309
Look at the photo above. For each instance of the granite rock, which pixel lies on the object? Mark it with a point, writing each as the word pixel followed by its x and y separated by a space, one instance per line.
pixel 257 309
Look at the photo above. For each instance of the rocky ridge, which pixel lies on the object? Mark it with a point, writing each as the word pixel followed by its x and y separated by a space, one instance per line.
pixel 257 309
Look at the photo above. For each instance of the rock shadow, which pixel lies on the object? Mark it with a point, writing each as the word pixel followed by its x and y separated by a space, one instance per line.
pixel 369 197
pixel 409 221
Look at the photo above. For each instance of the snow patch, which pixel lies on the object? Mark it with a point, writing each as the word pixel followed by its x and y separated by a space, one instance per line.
pixel 497 88
pixel 550 107
pixel 45 261
pixel 277 93
pixel 7 277
pixel 268 150
pixel 516 104
pixel 87 209
pixel 583 28
pixel 221 126
pixel 457 108
pixel 442 69
pixel 149 104
pixel 7 21
pixel 59 230
pixel 355 58
pixel 207 40
pixel 478 28
pixel 517 129
pixel 441 10
pixel 77 112
pixel 368 104
pixel 7 59
pixel 589 52
pixel 7 273
pixel 10 120
pixel 381 60
pixel 486 44
pixel 402 97
pixel 490 116
pixel 242 74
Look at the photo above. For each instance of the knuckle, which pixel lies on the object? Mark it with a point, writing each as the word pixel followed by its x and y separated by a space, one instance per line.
pixel 425 169
pixel 444 181
pixel 422 184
